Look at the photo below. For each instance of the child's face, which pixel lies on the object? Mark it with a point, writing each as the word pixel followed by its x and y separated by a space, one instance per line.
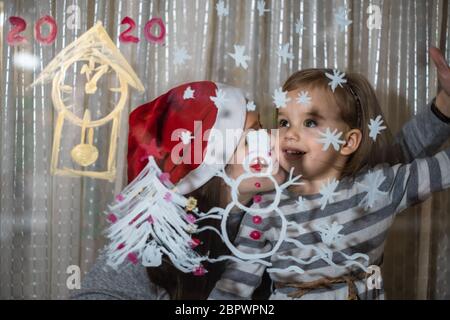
pixel 300 128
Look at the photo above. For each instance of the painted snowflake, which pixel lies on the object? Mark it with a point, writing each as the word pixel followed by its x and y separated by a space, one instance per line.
pixel 222 11
pixel 188 93
pixel 327 192
pixel 261 7
pixel 341 18
pixel 280 98
pixel 186 137
pixel 219 99
pixel 376 127
pixel 304 98
pixel 330 234
pixel 299 26
pixel 251 106
pixel 239 58
pixel 371 185
pixel 180 56
pixel 337 79
pixel 284 53
pixel 331 138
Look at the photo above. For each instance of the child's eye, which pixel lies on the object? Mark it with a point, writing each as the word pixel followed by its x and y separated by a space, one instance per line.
pixel 309 123
pixel 283 123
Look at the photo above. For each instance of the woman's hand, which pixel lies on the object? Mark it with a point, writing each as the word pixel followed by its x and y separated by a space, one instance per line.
pixel 443 70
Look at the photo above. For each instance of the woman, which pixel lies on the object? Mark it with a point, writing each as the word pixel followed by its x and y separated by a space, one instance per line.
pixel 210 107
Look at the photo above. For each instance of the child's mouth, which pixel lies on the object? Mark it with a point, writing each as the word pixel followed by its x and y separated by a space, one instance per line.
pixel 292 154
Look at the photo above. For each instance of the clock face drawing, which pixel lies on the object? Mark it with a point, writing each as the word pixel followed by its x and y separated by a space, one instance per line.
pixel 90 72
pixel 90 65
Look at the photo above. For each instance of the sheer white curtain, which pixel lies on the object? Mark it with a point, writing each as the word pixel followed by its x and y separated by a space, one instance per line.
pixel 49 222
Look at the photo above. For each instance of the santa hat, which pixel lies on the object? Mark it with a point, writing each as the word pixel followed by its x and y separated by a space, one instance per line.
pixel 151 216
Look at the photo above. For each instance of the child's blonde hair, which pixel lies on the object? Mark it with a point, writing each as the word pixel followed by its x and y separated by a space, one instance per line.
pixel 357 104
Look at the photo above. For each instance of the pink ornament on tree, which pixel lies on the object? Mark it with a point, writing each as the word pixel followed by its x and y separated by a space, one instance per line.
pixel 168 196
pixel 112 218
pixel 195 243
pixel 164 177
pixel 132 257
pixel 199 271
pixel 191 218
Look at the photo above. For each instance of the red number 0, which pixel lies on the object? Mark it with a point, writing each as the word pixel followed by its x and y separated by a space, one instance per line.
pixel 53 30
pixel 19 24
pixel 125 36
pixel 162 31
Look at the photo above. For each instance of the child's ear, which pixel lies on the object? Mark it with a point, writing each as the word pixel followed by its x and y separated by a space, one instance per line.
pixel 352 141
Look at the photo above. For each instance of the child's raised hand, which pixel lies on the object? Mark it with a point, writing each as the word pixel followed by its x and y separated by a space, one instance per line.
pixel 443 69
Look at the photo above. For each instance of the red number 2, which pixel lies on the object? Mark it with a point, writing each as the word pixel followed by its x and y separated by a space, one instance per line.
pixel 19 25
pixel 125 36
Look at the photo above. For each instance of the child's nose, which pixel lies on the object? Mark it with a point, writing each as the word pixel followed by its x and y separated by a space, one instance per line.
pixel 292 134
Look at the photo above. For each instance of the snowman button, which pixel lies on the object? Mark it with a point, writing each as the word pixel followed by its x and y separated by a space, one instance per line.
pixel 257 219
pixel 255 235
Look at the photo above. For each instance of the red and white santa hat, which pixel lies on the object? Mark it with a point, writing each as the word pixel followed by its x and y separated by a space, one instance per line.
pixel 172 151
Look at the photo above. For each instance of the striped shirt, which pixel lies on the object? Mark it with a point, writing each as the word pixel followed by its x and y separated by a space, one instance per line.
pixel 364 229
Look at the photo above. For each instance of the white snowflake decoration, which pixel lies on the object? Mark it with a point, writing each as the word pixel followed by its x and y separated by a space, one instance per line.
pixel 280 98
pixel 219 99
pixel 284 53
pixel 188 93
pixel 371 185
pixel 261 7
pixel 304 98
pixel 331 138
pixel 299 26
pixel 330 234
pixel 180 56
pixel 186 137
pixel 222 11
pixel 251 106
pixel 375 127
pixel 341 18
pixel 301 204
pixel 337 79
pixel 239 58
pixel 327 191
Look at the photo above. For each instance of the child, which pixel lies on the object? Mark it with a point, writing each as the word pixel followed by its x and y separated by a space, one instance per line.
pixel 344 208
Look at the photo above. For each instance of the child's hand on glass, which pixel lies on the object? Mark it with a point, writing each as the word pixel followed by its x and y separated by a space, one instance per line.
pixel 443 70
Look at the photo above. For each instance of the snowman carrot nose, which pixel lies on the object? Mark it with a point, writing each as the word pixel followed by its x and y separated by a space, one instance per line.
pixel 259 164
pixel 256 167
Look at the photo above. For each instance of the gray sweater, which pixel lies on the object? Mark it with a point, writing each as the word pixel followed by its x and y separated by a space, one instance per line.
pixel 420 137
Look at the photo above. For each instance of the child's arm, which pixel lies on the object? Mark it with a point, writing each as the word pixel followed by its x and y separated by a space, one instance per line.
pixel 240 280
pixel 423 135
pixel 408 184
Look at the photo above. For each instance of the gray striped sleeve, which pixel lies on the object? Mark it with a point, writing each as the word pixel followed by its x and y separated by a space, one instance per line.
pixel 414 182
